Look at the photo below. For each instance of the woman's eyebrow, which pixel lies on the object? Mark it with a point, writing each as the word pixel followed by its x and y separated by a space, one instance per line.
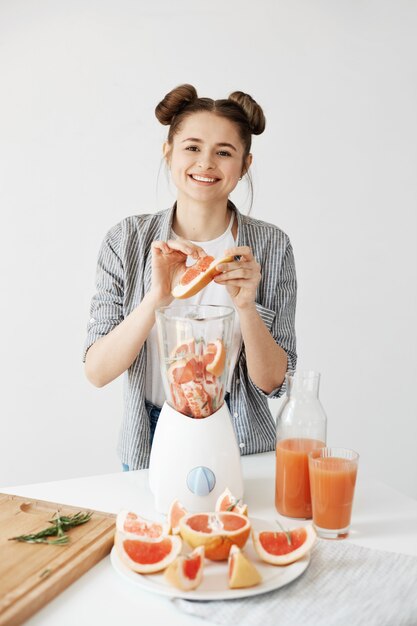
pixel 219 145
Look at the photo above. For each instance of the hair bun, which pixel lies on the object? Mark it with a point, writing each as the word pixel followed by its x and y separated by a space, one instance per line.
pixel 174 102
pixel 253 111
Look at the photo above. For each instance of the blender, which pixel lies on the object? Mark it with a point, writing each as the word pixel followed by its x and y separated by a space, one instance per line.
pixel 194 454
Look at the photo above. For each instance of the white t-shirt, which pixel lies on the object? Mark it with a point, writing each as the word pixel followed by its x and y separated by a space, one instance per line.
pixel 212 294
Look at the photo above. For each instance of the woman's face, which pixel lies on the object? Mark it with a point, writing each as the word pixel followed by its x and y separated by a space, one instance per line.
pixel 206 158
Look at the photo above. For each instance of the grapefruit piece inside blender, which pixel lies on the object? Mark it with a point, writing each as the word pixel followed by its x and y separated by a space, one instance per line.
pixel 185 347
pixel 178 399
pixel 198 400
pixel 198 275
pixel 183 370
pixel 215 357
pixel 217 532
pixel 146 556
pixel 283 548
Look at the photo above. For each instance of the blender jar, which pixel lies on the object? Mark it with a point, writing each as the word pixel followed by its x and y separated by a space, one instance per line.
pixel 194 343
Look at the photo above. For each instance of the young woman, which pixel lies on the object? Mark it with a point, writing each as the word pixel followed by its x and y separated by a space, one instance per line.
pixel 207 151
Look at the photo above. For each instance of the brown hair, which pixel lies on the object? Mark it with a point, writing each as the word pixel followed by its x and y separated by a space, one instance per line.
pixel 239 108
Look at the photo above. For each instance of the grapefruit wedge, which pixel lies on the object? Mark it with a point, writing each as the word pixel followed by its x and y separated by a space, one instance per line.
pixel 215 357
pixel 217 532
pixel 175 513
pixel 198 275
pixel 242 572
pixel 227 502
pixel 147 556
pixel 129 522
pixel 283 548
pixel 186 572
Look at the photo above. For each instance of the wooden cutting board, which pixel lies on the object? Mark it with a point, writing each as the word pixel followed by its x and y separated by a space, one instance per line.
pixel 33 574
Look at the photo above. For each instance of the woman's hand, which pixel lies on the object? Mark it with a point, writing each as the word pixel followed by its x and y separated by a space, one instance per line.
pixel 168 264
pixel 242 277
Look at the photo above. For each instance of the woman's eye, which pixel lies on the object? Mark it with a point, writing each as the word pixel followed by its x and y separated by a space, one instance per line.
pixel 224 153
pixel 192 148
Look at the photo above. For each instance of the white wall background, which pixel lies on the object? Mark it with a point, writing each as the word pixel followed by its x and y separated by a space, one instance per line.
pixel 336 169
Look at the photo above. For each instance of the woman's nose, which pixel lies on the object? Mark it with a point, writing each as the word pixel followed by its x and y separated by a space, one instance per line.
pixel 205 161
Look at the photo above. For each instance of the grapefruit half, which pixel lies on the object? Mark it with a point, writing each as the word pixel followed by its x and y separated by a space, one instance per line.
pixel 274 547
pixel 198 275
pixel 217 532
pixel 147 556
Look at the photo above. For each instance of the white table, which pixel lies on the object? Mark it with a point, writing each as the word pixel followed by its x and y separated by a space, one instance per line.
pixel 382 519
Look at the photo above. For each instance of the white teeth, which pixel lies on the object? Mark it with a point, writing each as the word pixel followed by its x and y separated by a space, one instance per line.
pixel 203 179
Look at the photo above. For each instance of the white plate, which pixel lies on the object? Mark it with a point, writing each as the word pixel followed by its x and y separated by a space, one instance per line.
pixel 214 585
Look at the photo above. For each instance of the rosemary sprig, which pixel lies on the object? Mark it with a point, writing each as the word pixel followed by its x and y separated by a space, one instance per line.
pixel 57 529
pixel 287 532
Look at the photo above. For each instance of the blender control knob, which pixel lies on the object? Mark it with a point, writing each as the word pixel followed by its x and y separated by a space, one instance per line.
pixel 201 481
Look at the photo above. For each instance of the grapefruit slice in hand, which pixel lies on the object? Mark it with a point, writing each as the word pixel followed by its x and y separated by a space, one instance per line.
pixel 186 572
pixel 283 548
pixel 198 275
pixel 146 556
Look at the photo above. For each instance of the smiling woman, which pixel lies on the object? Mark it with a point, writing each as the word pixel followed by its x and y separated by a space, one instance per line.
pixel 143 257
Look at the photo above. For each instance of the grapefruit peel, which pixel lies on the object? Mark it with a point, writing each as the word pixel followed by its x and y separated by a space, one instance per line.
pixel 275 548
pixel 201 274
pixel 241 571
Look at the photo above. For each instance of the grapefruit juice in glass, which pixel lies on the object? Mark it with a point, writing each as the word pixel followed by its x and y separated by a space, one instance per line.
pixel 332 479
pixel 301 427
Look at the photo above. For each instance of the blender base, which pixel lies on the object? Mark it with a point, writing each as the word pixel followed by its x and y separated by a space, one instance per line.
pixel 194 460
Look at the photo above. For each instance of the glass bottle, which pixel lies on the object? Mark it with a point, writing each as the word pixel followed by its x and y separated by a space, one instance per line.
pixel 301 427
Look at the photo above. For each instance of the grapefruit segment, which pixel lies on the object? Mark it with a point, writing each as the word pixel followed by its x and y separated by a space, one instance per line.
pixel 227 502
pixel 183 370
pixel 274 547
pixel 242 572
pixel 185 347
pixel 178 399
pixel 175 514
pixel 198 275
pixel 186 572
pixel 147 556
pixel 129 522
pixel 217 532
pixel 216 364
pixel 198 400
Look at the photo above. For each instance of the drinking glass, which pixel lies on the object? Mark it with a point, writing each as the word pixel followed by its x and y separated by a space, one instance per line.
pixel 332 482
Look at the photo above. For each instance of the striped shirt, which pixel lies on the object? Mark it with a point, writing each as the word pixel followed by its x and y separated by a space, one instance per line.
pixel 124 277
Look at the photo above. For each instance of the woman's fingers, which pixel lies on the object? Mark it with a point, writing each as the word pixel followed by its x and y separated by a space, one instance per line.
pixel 245 252
pixel 179 245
